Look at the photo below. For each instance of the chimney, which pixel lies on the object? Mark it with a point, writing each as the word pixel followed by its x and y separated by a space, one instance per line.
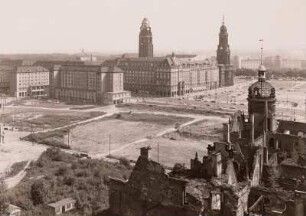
pixel 252 129
pixel 226 133
pixel 144 152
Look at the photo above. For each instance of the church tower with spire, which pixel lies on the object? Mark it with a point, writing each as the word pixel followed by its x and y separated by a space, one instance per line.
pixel 226 70
pixel 145 40
pixel 223 52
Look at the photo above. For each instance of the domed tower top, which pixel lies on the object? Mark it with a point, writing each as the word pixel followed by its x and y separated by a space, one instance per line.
pixel 223 29
pixel 145 24
pixel 261 89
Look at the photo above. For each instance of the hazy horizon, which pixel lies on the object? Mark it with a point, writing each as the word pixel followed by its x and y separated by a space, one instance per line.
pixel 112 26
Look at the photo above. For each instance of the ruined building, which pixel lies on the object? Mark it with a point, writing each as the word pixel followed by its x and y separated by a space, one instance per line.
pixel 282 153
pixel 259 168
pixel 151 191
pixel 226 70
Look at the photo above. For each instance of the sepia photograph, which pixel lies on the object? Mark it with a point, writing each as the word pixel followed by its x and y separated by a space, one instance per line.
pixel 153 107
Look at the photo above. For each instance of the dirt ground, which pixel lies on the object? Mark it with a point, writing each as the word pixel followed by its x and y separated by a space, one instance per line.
pixel 208 129
pixel 111 133
pixel 14 150
pixel 290 95
pixel 167 151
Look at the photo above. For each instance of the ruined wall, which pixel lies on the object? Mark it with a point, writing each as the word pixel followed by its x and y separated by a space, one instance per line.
pixel 235 201
pixel 147 190
pixel 256 173
pixel 115 195
pixel 285 141
pixel 290 171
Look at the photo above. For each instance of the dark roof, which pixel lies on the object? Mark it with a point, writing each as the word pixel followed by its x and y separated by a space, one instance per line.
pixel 223 29
pixel 91 68
pixel 7 67
pixel 265 88
pixel 291 126
pixel 31 69
pixel 170 61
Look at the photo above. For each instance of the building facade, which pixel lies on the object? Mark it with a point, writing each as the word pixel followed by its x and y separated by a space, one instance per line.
pixel 166 76
pixel 250 63
pixel 145 40
pixel 6 72
pixel 29 81
pixel 226 70
pixel 88 84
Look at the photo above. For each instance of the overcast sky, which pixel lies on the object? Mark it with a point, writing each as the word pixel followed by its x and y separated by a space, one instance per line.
pixel 177 25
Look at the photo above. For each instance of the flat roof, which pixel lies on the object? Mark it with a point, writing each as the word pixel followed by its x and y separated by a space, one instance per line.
pixel 62 202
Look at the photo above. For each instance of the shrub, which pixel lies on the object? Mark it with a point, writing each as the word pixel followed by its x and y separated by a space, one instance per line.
pixel 69 180
pixel 125 162
pixel 3 204
pixel 178 168
pixel 62 171
pixel 39 192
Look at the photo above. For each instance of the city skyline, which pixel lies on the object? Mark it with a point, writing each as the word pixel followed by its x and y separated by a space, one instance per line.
pixel 113 26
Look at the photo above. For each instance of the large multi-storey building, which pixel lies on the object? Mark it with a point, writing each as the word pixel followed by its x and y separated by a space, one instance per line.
pixel 29 81
pixel 88 84
pixel 6 72
pixel 166 76
pixel 249 63
pixel 226 70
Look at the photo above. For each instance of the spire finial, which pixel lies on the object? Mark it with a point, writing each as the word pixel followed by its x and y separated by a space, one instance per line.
pixel 223 19
pixel 261 50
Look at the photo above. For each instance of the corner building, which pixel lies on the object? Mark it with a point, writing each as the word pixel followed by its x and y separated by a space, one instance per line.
pixel 166 76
